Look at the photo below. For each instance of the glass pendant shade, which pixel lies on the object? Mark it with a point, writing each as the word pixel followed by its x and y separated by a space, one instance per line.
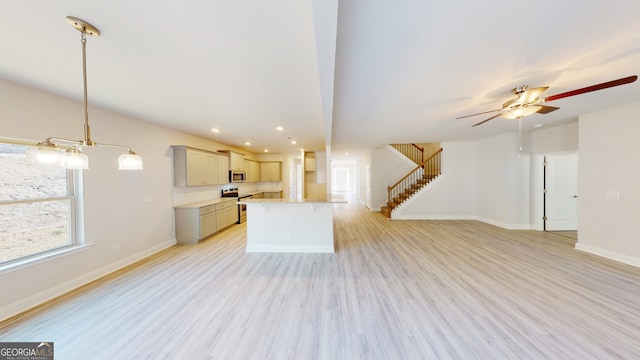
pixel 44 154
pixel 130 161
pixel 75 159
pixel 521 111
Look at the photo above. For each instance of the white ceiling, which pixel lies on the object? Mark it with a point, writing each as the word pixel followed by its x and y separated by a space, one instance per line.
pixel 350 73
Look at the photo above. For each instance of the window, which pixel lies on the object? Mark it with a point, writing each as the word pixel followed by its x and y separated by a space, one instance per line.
pixel 37 206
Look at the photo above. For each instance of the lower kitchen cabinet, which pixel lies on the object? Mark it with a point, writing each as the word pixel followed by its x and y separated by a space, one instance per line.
pixel 272 195
pixel 207 220
pixel 227 214
pixel 197 222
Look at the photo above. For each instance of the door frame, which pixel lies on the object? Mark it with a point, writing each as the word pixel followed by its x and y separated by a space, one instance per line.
pixel 538 187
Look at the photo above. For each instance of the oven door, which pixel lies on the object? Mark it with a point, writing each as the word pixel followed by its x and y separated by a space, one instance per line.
pixel 242 210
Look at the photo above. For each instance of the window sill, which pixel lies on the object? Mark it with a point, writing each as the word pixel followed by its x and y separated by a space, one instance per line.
pixel 41 258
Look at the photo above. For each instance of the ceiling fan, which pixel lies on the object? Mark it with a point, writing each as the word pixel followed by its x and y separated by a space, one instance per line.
pixel 528 101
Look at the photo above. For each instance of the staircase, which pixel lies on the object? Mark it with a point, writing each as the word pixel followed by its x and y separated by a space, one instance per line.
pixel 412 151
pixel 411 183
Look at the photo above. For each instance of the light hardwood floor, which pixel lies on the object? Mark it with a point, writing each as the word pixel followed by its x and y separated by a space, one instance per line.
pixel 393 290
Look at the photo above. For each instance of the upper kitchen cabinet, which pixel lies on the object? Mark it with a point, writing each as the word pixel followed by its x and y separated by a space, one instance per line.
pixel 223 169
pixel 236 160
pixel 271 171
pixel 195 167
pixel 309 163
pixel 252 169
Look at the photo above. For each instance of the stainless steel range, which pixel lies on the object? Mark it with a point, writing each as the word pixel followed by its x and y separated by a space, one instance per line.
pixel 242 209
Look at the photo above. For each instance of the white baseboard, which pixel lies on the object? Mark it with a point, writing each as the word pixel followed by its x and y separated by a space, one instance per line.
pixel 463 217
pixel 290 248
pixel 504 225
pixel 611 255
pixel 53 292
pixel 432 217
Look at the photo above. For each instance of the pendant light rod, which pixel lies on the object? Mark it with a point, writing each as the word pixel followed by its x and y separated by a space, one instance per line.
pixel 47 152
pixel 85 29
pixel 87 130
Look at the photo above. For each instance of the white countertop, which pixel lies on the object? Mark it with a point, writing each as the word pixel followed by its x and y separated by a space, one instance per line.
pixel 321 199
pixel 204 203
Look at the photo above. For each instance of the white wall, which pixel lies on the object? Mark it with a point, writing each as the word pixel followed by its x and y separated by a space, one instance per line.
pixel 555 139
pixel 453 194
pixel 608 191
pixel 489 180
pixel 132 210
pixel 503 181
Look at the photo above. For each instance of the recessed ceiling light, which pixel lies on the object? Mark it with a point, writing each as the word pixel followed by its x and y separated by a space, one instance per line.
pixel 279 128
pixel 537 125
pixel 346 154
pixel 247 143
pixel 215 131
pixel 293 142
pixel 266 150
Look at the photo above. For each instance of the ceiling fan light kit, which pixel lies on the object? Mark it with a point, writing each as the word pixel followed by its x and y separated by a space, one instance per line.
pixel 49 153
pixel 521 111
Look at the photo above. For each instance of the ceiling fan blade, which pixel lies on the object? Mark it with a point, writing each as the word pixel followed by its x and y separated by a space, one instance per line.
pixel 482 122
pixel 591 88
pixel 484 112
pixel 546 109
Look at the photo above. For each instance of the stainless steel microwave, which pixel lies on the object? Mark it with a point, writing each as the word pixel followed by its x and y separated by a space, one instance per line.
pixel 236 176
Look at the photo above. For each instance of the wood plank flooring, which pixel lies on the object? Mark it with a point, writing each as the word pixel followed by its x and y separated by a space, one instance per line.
pixel 393 290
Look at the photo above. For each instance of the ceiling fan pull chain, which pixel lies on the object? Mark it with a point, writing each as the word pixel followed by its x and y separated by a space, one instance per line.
pixel 520 136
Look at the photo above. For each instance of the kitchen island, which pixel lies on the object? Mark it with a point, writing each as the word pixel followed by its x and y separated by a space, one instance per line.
pixel 291 225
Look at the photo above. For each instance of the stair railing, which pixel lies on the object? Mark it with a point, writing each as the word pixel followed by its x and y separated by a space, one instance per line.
pixel 412 151
pixel 421 175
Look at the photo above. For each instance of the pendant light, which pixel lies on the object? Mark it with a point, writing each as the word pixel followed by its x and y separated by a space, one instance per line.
pixel 49 153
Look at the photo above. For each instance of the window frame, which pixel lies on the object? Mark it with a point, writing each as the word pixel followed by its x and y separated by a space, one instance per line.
pixel 75 214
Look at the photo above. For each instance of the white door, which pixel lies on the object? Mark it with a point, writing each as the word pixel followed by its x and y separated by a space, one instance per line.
pixel 561 198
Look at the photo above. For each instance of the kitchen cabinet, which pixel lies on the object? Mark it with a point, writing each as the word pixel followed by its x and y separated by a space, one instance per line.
pixel 236 160
pixel 207 225
pixel 195 222
pixel 223 170
pixel 252 171
pixel 272 195
pixel 271 171
pixel 258 196
pixel 226 214
pixel 195 167
pixel 309 164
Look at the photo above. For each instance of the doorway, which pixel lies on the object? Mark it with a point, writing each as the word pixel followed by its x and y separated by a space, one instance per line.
pixel 560 194
pixel 342 177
